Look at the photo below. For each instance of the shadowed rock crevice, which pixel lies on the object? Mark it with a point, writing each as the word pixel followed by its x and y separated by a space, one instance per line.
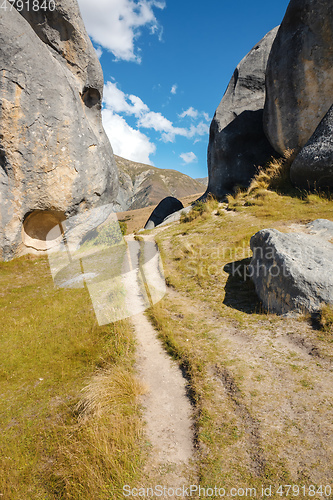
pixel 91 98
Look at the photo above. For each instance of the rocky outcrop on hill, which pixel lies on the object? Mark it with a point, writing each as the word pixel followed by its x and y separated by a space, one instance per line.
pixel 55 159
pixel 299 76
pixel 293 272
pixel 142 185
pixel 237 143
pixel 313 166
pixel 165 208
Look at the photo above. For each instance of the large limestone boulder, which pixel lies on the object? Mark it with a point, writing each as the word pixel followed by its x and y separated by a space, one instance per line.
pixel 166 207
pixel 293 272
pixel 237 143
pixel 300 74
pixel 55 158
pixel 313 166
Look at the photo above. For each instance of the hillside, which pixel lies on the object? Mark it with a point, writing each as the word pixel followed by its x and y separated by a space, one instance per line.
pixel 142 185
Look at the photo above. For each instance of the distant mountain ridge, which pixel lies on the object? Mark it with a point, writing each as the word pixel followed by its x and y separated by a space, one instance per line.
pixel 141 185
pixel 202 180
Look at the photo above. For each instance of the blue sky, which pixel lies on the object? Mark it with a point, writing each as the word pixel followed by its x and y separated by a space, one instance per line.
pixel 166 66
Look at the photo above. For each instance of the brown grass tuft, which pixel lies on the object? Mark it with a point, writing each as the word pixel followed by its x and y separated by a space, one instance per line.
pixel 326 318
pixel 275 176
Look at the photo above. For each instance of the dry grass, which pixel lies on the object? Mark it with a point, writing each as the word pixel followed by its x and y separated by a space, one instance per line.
pixel 261 384
pixel 200 210
pixel 271 188
pixel 275 176
pixel 326 318
pixel 69 419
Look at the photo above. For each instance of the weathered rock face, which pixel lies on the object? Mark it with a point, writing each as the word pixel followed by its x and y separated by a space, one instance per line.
pixel 300 74
pixel 165 208
pixel 313 166
pixel 293 272
pixel 55 159
pixel 237 143
pixel 323 228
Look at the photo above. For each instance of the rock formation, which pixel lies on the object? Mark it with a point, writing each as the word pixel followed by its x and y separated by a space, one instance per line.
pixel 55 159
pixel 293 272
pixel 165 208
pixel 237 143
pixel 142 185
pixel 299 77
pixel 313 166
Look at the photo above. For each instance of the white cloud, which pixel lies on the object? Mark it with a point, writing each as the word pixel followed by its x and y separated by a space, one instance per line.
pixel 188 157
pixel 206 116
pixel 115 24
pixel 99 52
pixel 131 143
pixel 117 101
pixel 159 123
pixel 200 129
pixel 191 112
pixel 174 89
pixel 125 140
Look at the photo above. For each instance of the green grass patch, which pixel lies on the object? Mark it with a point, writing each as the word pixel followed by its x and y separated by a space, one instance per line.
pixel 69 417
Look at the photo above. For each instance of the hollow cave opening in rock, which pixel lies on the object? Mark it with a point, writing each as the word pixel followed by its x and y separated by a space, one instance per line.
pixel 37 226
pixel 91 97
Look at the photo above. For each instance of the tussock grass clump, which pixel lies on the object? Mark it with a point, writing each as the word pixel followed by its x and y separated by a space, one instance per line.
pixel 270 180
pixel 275 176
pixel 96 452
pixel 326 318
pixel 201 209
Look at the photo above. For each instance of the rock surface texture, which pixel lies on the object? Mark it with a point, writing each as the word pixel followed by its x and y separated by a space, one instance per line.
pixel 293 272
pixel 55 158
pixel 165 208
pixel 313 166
pixel 299 77
pixel 237 143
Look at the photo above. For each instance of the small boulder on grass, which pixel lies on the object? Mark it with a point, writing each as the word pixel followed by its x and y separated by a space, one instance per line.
pixel 166 207
pixel 292 272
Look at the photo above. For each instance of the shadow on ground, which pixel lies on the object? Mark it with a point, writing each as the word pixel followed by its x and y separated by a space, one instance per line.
pixel 239 289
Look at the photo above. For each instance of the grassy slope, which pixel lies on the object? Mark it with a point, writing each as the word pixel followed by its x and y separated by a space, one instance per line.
pixel 262 384
pixel 69 419
pixel 56 441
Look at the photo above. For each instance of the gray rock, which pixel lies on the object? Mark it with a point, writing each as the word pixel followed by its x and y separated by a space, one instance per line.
pixel 237 143
pixel 291 272
pixel 313 166
pixel 322 228
pixel 166 207
pixel 299 77
pixel 175 217
pixel 55 158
